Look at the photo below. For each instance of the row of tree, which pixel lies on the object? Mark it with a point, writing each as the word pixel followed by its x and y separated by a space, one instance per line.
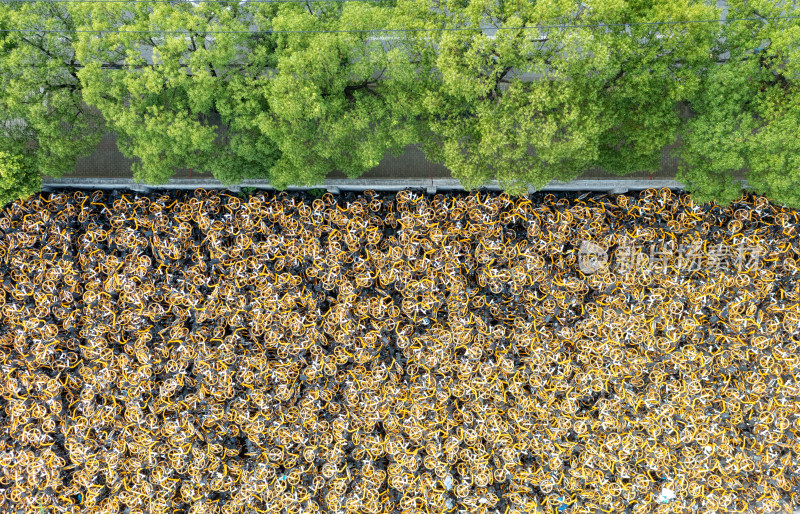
pixel 289 91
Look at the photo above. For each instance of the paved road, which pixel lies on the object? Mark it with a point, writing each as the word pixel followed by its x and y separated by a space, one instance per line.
pixel 108 162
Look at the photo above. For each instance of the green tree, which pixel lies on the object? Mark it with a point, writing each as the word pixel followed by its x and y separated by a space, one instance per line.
pixel 505 107
pixel 180 110
pixel 529 106
pixel 337 101
pixel 656 68
pixel 18 179
pixel 43 119
pixel 747 110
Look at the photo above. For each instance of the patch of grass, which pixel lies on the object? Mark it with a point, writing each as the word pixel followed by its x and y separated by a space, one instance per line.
pixel 246 191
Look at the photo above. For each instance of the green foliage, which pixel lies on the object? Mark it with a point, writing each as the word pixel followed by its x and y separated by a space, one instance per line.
pixel 747 111
pixel 178 112
pixel 292 109
pixel 654 69
pixel 42 114
pixel 527 107
pixel 18 179
pixel 523 107
pixel 246 192
pixel 337 101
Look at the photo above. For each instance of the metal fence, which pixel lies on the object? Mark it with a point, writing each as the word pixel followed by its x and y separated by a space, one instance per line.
pixel 614 185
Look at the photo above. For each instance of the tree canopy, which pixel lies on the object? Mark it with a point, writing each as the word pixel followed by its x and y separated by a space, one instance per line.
pixel 43 118
pixel 529 106
pixel 336 100
pixel 176 109
pixel 523 92
pixel 747 111
pixel 18 179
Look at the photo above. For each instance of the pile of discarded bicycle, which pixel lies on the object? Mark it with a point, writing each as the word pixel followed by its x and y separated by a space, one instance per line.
pixel 365 353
